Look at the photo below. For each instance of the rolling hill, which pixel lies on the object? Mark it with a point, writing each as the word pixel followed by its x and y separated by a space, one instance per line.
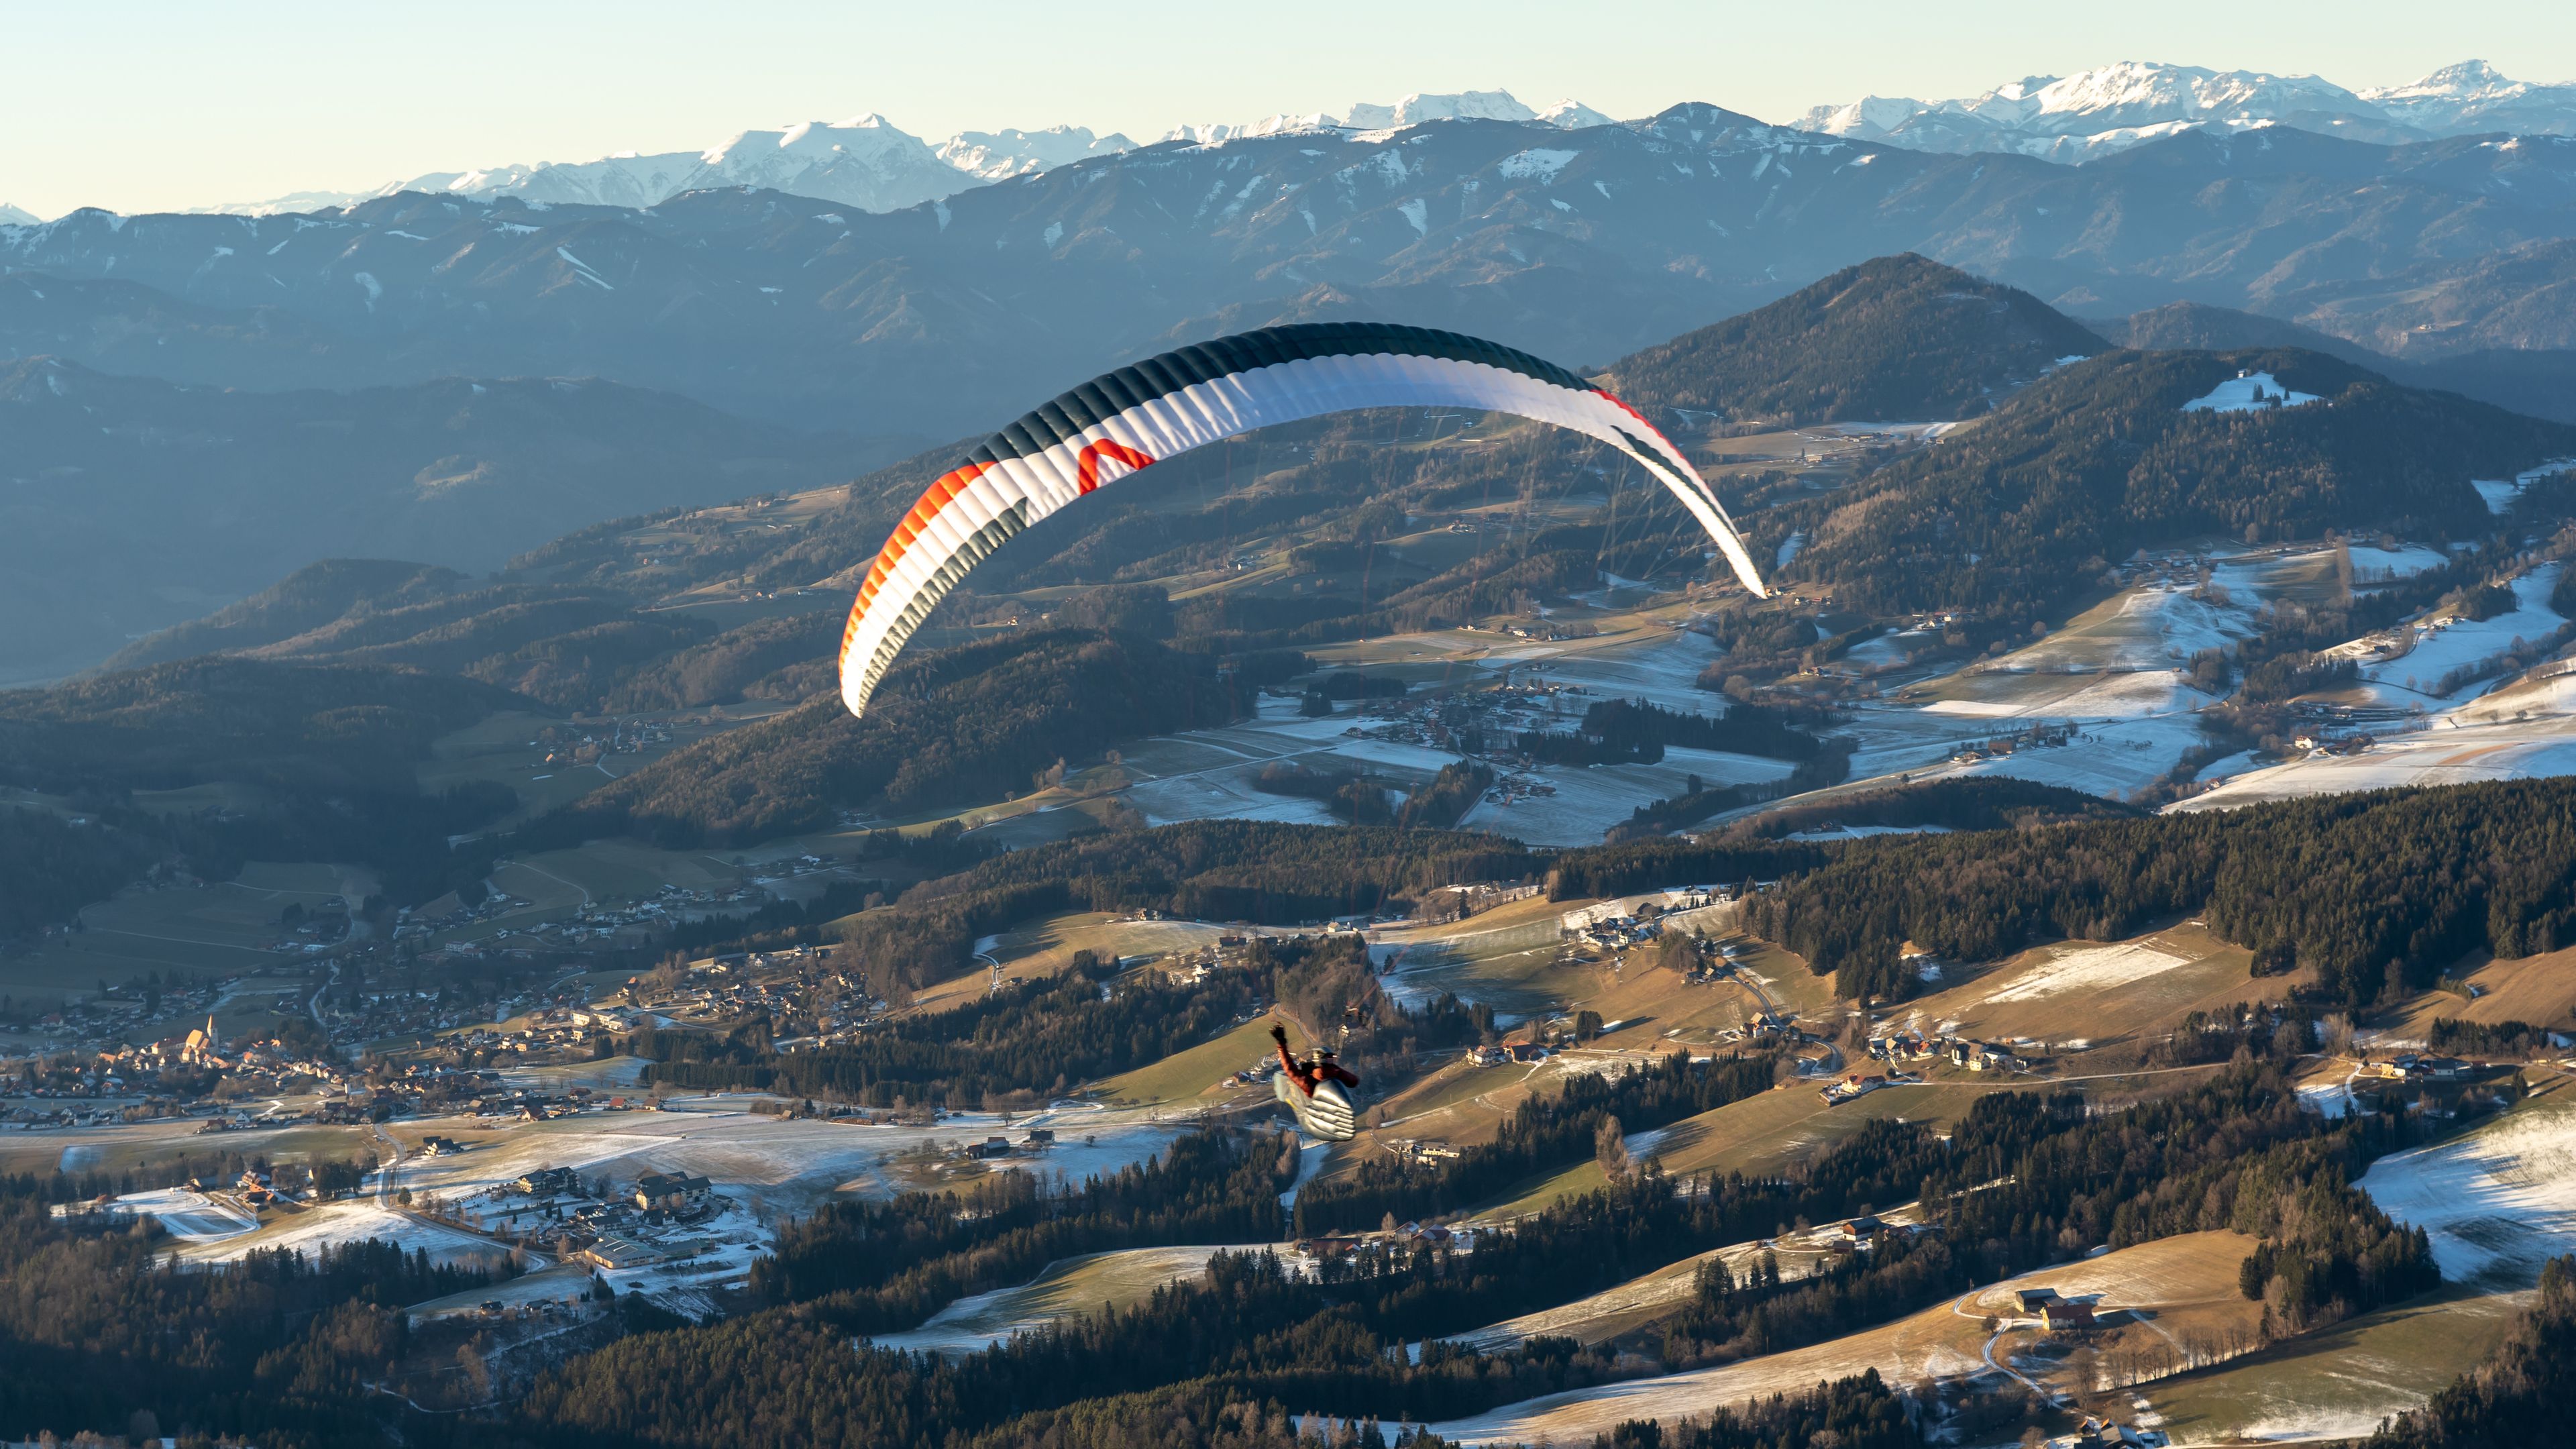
pixel 1891 339
pixel 2020 512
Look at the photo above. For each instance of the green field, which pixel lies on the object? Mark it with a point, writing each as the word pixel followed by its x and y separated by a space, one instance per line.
pixel 1186 1075
pixel 213 930
pixel 2342 1382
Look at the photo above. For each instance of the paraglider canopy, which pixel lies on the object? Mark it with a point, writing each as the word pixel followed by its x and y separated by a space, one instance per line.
pixel 1137 416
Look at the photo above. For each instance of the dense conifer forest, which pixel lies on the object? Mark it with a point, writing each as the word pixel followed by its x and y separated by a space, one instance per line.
pixel 949 727
pixel 1897 337
pixel 2018 515
pixel 2378 892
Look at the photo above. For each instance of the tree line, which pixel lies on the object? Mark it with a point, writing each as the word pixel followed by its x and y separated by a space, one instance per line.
pixel 2377 892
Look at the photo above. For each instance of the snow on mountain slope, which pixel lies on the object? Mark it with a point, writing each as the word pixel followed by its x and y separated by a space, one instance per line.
pixel 2079 117
pixel 2474 97
pixel 869 163
pixel 1217 133
pixel 16 216
pixel 1001 155
pixel 864 162
pixel 1413 110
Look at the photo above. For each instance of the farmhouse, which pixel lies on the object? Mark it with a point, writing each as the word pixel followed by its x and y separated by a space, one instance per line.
pixel 671 1192
pixel 2064 1317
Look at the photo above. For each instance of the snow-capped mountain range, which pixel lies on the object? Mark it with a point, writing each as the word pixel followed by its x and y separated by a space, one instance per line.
pixel 2076 118
pixel 870 164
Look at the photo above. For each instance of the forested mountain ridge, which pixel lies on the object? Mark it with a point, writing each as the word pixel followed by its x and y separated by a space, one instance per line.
pixel 2378 893
pixel 312 597
pixel 1895 339
pixel 303 726
pixel 2021 512
pixel 314 761
pixel 2536 382
pixel 1579 245
pixel 950 727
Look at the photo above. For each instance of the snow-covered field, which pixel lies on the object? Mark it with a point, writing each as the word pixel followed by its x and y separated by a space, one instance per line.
pixel 2500 493
pixel 2249 393
pixel 2447 753
pixel 2498 1202
pixel 191 1217
pixel 1209 774
pixel 2437 648
pixel 1589 800
pixel 2152 627
pixel 338 1223
pixel 2109 759
pixel 775 1165
pixel 2372 564
pixel 2091 970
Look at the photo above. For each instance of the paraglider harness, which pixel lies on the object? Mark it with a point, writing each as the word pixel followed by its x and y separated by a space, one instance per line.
pixel 1306 1074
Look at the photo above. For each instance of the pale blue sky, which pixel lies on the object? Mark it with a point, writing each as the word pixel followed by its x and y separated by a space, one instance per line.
pixel 154 104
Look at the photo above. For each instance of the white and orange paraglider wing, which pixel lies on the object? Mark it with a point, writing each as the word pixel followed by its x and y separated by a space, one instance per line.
pixel 1137 416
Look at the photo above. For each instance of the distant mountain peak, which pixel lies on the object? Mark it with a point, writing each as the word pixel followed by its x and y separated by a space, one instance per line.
pixel 16 216
pixel 2115 107
pixel 1413 110
pixel 1001 155
pixel 2464 78
pixel 872 164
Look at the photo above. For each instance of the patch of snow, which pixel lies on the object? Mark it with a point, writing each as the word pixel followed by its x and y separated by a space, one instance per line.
pixel 2439 647
pixel 191 1217
pixel 2499 493
pixel 2497 1202
pixel 2372 564
pixel 2329 1099
pixel 2253 391
pixel 2090 970
pixel 1543 165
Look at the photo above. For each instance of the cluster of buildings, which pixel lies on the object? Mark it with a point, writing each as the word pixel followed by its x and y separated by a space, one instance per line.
pixel 2414 1067
pixel 1858 1084
pixel 1458 902
pixel 196 1074
pixel 624 737
pixel 1976 1056
pixel 1618 924
pixel 2038 736
pixel 1441 721
pixel 1039 1139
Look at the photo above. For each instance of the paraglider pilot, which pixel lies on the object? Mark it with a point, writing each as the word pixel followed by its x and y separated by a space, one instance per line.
pixel 1306 1074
